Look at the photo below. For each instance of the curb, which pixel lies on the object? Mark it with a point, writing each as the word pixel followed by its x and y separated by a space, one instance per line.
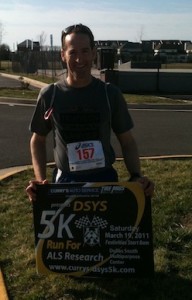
pixel 17 100
pixel 3 291
pixel 159 106
pixel 5 173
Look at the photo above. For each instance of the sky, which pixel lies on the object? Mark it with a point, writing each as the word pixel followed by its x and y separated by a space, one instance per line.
pixel 131 20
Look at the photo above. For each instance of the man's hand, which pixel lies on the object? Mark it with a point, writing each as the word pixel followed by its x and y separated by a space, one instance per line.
pixel 31 189
pixel 148 185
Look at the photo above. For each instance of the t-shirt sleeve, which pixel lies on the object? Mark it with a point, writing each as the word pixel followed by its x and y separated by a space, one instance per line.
pixel 121 120
pixel 38 123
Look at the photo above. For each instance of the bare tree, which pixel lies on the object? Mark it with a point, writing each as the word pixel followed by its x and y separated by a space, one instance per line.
pixel 140 34
pixel 1 32
pixel 42 39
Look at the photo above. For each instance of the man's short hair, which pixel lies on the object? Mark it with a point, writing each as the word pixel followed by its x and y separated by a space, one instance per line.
pixel 77 28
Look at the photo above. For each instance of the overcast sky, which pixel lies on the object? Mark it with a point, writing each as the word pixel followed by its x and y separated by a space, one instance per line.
pixel 109 19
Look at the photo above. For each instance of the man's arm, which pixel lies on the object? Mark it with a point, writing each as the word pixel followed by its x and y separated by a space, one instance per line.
pixel 38 154
pixel 130 152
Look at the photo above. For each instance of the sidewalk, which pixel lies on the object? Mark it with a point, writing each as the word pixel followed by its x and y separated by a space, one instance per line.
pixel 35 83
pixel 4 173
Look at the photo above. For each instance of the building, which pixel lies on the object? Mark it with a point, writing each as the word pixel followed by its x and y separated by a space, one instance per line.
pixel 28 45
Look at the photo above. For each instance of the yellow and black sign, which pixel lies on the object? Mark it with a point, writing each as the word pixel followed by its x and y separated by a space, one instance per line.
pixel 93 230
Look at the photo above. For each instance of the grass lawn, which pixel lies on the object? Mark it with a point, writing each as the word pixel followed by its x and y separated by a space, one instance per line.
pixel 130 98
pixel 172 230
pixel 19 93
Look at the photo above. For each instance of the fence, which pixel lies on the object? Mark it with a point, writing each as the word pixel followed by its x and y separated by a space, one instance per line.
pixel 31 61
pixel 151 81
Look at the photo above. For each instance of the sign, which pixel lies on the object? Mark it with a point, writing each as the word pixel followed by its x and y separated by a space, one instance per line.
pixel 93 230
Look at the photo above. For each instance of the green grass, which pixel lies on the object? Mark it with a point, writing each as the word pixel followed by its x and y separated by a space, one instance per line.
pixel 172 230
pixel 130 98
pixel 134 98
pixel 19 93
pixel 143 99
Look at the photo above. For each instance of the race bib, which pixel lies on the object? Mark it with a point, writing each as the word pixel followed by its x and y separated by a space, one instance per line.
pixel 85 155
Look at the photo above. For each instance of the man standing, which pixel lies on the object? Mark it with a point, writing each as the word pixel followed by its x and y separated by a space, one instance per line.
pixel 81 111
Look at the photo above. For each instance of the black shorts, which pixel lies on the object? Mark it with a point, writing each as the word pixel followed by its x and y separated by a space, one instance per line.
pixel 101 175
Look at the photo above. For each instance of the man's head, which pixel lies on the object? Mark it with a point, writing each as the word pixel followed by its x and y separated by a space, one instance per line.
pixel 78 52
pixel 78 29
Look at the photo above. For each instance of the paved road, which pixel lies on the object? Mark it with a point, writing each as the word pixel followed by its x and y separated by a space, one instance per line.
pixel 15 136
pixel 158 132
pixel 163 132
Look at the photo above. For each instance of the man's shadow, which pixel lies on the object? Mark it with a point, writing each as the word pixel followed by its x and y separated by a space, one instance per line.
pixel 160 286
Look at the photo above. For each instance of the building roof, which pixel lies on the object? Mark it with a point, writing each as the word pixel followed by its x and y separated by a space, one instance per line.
pixel 29 44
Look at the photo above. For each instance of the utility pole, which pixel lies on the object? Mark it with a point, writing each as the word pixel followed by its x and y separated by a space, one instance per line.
pixel 51 42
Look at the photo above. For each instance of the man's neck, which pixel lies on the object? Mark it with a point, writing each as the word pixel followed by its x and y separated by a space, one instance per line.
pixel 78 82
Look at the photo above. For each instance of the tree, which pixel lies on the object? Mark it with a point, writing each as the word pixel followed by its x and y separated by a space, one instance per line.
pixel 1 32
pixel 140 34
pixel 42 39
pixel 4 52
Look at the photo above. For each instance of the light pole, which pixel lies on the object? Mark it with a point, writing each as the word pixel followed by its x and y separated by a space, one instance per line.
pixel 51 42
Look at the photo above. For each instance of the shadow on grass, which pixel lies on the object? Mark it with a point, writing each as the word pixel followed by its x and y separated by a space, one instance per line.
pixel 161 286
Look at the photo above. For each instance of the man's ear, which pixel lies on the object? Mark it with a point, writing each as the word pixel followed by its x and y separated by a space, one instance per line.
pixel 63 55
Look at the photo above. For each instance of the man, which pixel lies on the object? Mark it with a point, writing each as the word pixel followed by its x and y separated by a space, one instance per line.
pixel 81 110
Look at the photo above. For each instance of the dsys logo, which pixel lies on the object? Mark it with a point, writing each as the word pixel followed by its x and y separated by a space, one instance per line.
pixel 89 205
pixel 84 145
pixel 91 229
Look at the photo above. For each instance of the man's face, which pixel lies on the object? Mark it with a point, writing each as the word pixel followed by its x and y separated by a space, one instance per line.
pixel 78 56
